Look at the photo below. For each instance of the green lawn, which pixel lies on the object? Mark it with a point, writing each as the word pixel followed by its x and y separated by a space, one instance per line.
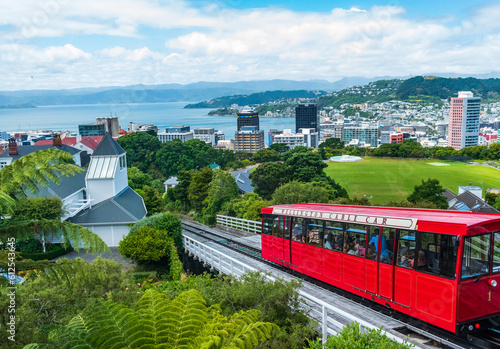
pixel 394 179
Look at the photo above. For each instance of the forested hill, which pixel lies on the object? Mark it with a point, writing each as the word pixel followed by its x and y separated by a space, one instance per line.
pixel 445 88
pixel 255 98
pixel 426 90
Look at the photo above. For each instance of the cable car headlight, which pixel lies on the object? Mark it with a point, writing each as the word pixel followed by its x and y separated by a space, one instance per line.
pixel 492 283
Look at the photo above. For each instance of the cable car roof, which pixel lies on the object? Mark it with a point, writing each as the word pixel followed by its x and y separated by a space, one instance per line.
pixel 402 218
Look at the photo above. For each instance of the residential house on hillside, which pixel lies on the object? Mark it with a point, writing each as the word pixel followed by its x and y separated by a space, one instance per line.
pixel 243 181
pixel 15 152
pixel 88 144
pixel 467 201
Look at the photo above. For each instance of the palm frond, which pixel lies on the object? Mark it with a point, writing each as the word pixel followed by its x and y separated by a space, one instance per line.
pixel 64 231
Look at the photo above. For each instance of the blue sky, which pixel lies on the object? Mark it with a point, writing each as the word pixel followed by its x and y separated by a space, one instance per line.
pixel 68 44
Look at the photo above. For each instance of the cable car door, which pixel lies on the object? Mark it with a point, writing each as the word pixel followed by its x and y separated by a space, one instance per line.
pixel 287 244
pixel 385 263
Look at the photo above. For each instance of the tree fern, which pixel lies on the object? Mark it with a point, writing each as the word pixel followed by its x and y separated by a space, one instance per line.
pixel 64 231
pixel 28 174
pixel 157 322
pixel 36 170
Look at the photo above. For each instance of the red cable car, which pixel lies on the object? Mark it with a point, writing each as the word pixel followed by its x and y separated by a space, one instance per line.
pixel 439 266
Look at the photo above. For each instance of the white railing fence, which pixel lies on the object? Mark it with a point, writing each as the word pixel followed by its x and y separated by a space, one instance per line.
pixel 319 310
pixel 240 224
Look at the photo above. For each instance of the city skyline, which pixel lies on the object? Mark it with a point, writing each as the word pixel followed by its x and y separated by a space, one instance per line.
pixel 54 44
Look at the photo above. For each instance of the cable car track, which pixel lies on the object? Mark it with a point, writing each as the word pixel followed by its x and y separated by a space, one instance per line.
pixel 488 340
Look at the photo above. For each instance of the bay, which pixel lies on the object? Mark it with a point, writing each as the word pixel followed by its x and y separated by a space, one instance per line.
pixel 68 117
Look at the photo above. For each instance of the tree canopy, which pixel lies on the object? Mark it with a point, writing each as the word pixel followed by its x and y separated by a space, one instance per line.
pixel 430 191
pixel 297 192
pixel 141 148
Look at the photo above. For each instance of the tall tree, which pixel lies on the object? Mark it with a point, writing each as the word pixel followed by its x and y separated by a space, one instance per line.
pixel 430 190
pixel 221 190
pixel 280 147
pixel 333 143
pixel 265 155
pixel 296 192
pixel 269 176
pixel 248 206
pixel 306 167
pixel 141 148
pixel 198 188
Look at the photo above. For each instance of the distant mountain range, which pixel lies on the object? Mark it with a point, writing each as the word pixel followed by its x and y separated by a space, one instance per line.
pixel 194 92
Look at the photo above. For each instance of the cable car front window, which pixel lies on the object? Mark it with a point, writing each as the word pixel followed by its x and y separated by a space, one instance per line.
pixel 476 259
pixel 496 252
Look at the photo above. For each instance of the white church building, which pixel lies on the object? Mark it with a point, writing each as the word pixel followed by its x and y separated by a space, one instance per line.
pixel 112 205
pixel 99 198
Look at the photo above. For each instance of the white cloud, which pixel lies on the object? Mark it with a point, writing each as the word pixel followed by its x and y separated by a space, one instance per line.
pixel 230 45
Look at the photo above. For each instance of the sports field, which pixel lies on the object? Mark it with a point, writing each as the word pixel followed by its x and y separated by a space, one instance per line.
pixel 394 179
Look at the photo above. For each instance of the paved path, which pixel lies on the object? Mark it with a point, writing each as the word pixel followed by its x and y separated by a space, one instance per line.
pixel 114 255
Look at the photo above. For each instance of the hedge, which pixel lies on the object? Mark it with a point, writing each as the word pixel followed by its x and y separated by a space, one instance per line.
pixel 57 251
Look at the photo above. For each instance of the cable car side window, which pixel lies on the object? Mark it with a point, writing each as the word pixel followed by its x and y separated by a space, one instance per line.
pixel 299 229
pixel 267 224
pixel 406 248
pixel 437 254
pixel 287 228
pixel 476 258
pixel 334 235
pixel 315 232
pixel 372 239
pixel 278 226
pixel 387 246
pixel 496 252
pixel 355 237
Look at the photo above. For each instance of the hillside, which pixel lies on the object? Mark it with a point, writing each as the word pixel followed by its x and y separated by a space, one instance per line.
pixel 255 98
pixel 446 88
pixel 425 90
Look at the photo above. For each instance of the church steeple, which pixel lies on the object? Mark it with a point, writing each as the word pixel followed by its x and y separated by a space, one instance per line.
pixel 107 172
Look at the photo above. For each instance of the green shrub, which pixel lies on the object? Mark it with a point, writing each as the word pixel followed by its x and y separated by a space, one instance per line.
pixel 29 245
pixel 145 245
pixel 59 294
pixel 163 221
pixel 139 277
pixel 55 250
pixel 277 300
pixel 157 322
pixel 353 337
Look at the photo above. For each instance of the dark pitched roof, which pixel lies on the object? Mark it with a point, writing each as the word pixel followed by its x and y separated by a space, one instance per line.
pixel 108 146
pixel 470 202
pixel 243 181
pixel 23 150
pixel 126 207
pixel 66 187
pixel 448 194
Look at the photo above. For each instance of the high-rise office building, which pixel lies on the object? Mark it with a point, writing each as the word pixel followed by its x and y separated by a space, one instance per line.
pixel 249 139
pixel 306 116
pixel 111 125
pixel 463 126
pixel 205 134
pixel 364 133
pixel 248 117
pixel 91 130
pixel 183 133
